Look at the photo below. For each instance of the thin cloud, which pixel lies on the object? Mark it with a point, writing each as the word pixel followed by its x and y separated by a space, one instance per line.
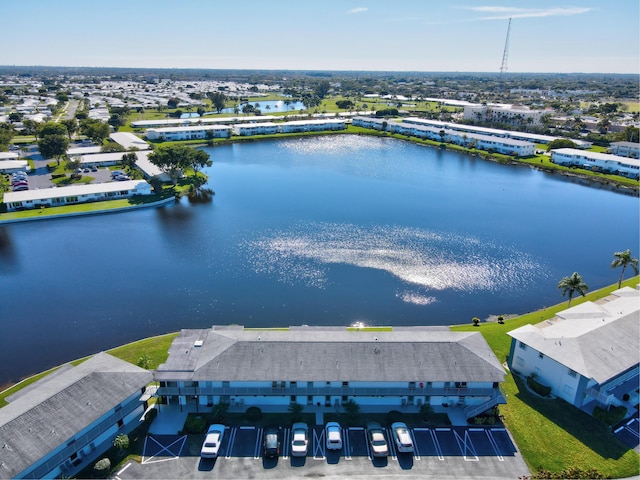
pixel 357 10
pixel 502 13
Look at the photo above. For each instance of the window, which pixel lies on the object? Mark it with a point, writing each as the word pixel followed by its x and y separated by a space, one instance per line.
pixel 412 385
pixel 519 361
pixel 293 384
pixel 540 355
pixel 572 373
pixel 345 384
pixel 120 423
pixel 522 346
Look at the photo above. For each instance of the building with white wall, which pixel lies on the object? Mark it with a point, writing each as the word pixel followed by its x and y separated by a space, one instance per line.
pixel 625 149
pixel 193 132
pixel 599 162
pixel 129 141
pixel 587 353
pixel 505 146
pixel 328 366
pixel 54 197
pixel 507 114
pixel 59 425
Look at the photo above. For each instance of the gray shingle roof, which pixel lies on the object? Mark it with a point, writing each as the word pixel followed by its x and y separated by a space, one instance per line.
pixel 331 354
pixel 49 415
pixel 598 341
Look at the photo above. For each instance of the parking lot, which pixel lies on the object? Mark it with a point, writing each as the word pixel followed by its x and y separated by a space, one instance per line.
pixel 443 452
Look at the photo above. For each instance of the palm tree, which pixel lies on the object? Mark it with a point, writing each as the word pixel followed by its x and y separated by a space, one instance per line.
pixel 624 259
pixel 573 284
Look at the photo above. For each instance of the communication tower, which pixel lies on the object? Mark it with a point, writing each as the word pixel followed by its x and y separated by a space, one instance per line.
pixel 505 54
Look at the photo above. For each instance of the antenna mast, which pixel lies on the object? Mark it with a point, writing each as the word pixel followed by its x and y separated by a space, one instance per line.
pixel 505 54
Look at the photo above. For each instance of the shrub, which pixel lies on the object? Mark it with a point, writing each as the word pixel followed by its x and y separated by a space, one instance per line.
pixel 425 410
pixel 102 467
pixel 253 414
pixel 195 424
pixel 476 321
pixel 611 416
pixel 537 387
pixel 121 441
pixel 394 416
pixel 58 175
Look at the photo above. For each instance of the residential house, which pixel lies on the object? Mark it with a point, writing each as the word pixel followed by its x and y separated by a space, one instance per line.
pixel 327 366
pixel 587 353
pixel 625 149
pixel 52 197
pixel 600 162
pixel 59 425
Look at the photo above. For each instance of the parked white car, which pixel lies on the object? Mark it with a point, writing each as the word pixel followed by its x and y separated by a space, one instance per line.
pixel 402 437
pixel 377 441
pixel 333 432
pixel 212 441
pixel 299 439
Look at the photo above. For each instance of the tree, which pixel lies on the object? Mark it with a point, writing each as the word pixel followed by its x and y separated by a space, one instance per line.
pixel 116 121
pixel 6 134
pixel 72 165
pixel 129 159
pixel 53 146
pixel 218 100
pixel 173 102
pixel 51 128
pixel 624 259
pixel 71 125
pixel 174 159
pixel 295 409
pixel 322 88
pixel 96 130
pixel 560 143
pixel 573 284
pixel 30 127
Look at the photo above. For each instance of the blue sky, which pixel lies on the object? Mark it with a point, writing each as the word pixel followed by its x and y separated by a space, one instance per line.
pixel 402 35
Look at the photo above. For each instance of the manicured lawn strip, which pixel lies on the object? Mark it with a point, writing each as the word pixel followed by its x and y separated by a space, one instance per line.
pixel 81 207
pixel 156 350
pixel 553 434
pixel 23 384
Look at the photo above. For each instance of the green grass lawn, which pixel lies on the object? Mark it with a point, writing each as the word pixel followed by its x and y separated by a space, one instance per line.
pixel 156 350
pixel 552 434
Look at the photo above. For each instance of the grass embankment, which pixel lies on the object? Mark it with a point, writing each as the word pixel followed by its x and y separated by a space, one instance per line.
pixel 552 434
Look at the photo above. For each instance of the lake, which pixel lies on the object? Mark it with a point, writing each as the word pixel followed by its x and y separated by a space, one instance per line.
pixel 327 230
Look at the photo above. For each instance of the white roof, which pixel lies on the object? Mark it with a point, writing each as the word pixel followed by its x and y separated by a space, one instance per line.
pixel 9 156
pixel 129 140
pixel 11 164
pixel 102 157
pixel 71 191
pixel 83 150
pixel 189 128
pixel 596 156
pixel 598 341
pixel 150 169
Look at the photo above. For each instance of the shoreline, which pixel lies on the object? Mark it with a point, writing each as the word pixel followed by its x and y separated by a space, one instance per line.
pixel 158 203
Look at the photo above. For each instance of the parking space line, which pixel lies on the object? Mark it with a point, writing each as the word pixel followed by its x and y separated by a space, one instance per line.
pixel 318 444
pixel 163 448
pixel 256 451
pixel 436 443
pixel 494 445
pixel 392 446
pixel 466 445
pixel 416 453
pixel 346 445
pixel 232 439
pixel 285 443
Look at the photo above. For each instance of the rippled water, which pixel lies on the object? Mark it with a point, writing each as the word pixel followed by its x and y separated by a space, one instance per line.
pixel 327 230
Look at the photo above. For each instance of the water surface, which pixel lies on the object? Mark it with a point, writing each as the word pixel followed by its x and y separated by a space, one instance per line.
pixel 328 230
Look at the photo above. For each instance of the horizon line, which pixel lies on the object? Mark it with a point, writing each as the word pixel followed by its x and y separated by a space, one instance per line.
pixel 325 70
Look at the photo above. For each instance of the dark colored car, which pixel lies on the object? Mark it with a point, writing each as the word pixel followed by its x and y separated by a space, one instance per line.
pixel 271 442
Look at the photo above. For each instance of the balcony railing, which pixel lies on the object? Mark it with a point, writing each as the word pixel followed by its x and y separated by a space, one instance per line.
pixel 327 391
